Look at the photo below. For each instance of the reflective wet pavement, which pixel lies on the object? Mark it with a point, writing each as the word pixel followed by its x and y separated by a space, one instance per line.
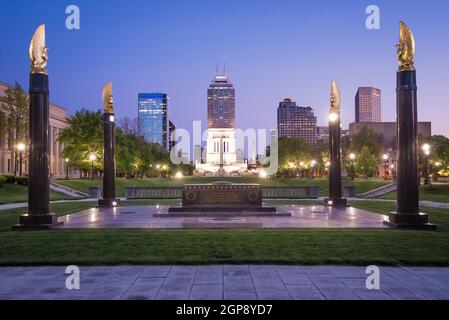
pixel 302 217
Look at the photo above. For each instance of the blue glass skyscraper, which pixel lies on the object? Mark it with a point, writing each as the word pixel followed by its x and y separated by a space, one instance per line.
pixel 153 118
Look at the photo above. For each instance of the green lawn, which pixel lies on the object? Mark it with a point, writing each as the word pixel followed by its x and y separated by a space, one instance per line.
pixel 16 193
pixel 362 185
pixel 304 246
pixel 438 193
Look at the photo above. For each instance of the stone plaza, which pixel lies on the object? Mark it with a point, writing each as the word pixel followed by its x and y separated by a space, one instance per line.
pixel 157 217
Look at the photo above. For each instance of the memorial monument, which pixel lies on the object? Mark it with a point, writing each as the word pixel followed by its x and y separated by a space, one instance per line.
pixel 223 198
pixel 335 191
pixel 38 216
pixel 109 198
pixel 408 214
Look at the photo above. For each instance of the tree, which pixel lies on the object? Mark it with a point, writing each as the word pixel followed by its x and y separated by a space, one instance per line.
pixel 294 156
pixel 14 118
pixel 439 157
pixel 366 163
pixel 129 126
pixel 366 138
pixel 83 137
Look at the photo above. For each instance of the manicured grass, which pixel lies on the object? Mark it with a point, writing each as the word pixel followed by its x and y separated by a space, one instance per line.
pixel 16 193
pixel 304 246
pixel 438 193
pixel 362 185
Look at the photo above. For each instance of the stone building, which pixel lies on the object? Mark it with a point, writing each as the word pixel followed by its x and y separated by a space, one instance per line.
pixel 58 121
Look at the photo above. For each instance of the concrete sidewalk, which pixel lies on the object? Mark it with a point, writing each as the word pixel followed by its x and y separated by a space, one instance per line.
pixel 228 282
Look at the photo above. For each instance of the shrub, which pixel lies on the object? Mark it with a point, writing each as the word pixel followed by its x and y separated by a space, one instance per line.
pixel 2 181
pixel 10 179
pixel 23 181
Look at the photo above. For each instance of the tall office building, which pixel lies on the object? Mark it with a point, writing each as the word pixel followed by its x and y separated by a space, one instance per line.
pixel 153 118
pixel 368 105
pixel 221 103
pixel 296 121
pixel 221 133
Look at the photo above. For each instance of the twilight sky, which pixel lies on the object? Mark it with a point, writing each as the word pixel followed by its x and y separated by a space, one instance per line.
pixel 273 48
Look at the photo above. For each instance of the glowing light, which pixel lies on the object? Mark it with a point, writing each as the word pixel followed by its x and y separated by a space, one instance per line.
pixel 352 156
pixel 179 175
pixel 438 164
pixel 333 117
pixel 263 174
pixel 426 149
pixel 313 162
pixel 21 146
pixel 67 159
pixel 114 203
pixel 385 157
pixel 92 157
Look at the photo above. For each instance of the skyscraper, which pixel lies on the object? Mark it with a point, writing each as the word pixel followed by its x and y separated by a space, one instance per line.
pixel 368 105
pixel 221 134
pixel 296 121
pixel 153 118
pixel 221 103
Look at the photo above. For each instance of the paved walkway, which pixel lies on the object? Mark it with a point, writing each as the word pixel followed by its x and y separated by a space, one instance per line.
pixel 228 282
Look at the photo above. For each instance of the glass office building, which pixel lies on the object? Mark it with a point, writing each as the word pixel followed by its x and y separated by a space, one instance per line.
pixel 153 118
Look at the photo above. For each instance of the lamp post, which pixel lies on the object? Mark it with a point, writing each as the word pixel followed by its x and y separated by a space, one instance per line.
pixel 385 159
pixel 21 148
pixel 67 168
pixel 426 151
pixel 352 157
pixel 313 165
pixel 92 158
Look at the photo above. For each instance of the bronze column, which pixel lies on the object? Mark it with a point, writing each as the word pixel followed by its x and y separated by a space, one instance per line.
pixel 335 194
pixel 39 216
pixel 109 197
pixel 407 215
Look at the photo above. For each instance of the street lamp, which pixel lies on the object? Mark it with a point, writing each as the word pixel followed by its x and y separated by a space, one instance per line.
pixel 313 165
pixel 21 148
pixel 385 158
pixel 67 168
pixel 92 158
pixel 352 157
pixel 426 151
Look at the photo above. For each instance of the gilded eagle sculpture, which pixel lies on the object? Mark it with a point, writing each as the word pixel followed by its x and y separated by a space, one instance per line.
pixel 335 97
pixel 108 101
pixel 38 51
pixel 406 48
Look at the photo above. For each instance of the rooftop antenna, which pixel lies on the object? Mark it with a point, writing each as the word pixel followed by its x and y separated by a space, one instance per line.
pixel 224 67
pixel 216 69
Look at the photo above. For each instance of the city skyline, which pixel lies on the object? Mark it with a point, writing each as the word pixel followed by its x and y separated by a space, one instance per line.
pixel 263 75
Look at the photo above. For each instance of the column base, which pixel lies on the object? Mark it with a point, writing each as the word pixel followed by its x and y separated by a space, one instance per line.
pixel 108 203
pixel 341 202
pixel 37 222
pixel 409 221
